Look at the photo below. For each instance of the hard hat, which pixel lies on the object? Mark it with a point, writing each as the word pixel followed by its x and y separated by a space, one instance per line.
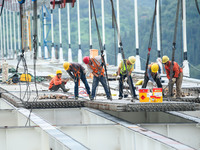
pixel 86 59
pixel 58 72
pixel 132 59
pixel 154 68
pixel 165 59
pixel 66 65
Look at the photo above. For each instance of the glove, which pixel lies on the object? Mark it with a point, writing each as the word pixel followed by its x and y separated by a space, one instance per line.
pixel 173 80
pixel 126 79
pixel 154 84
pixel 158 75
pixel 117 77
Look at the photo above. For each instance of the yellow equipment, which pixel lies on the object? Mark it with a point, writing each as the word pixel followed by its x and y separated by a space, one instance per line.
pixel 66 65
pixel 132 59
pixel 58 72
pixel 139 82
pixel 154 68
pixel 25 77
pixel 165 59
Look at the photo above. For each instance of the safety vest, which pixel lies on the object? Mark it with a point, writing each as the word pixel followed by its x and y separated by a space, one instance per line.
pixel 96 67
pixel 123 69
pixel 76 71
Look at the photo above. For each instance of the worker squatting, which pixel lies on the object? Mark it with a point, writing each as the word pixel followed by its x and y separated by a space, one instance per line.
pixel 95 66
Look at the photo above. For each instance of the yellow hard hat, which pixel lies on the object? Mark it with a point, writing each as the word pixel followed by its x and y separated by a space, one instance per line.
pixel 154 68
pixel 66 65
pixel 165 59
pixel 58 72
pixel 132 59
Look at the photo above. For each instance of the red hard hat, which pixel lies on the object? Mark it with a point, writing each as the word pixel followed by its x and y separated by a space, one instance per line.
pixel 86 59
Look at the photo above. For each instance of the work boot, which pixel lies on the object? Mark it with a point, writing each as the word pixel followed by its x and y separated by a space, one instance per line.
pixel 90 97
pixel 65 90
pixel 135 97
pixel 76 98
pixel 110 98
pixel 120 97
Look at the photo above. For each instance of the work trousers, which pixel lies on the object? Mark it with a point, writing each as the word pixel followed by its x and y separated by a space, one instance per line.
pixel 84 80
pixel 56 87
pixel 156 79
pixel 95 83
pixel 178 85
pixel 121 86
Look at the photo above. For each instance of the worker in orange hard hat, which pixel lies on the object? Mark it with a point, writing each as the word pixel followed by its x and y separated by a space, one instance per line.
pixel 122 75
pixel 95 67
pixel 177 74
pixel 57 82
pixel 153 74
pixel 77 72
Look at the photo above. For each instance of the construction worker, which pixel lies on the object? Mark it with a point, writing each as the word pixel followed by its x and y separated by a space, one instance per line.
pixel 153 74
pixel 122 75
pixel 177 74
pixel 95 67
pixel 57 82
pixel 77 72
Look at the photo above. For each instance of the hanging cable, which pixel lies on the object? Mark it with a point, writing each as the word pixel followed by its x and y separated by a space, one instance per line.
pixel 173 50
pixel 150 39
pixel 197 5
pixel 100 45
pixel 121 47
pixel 2 5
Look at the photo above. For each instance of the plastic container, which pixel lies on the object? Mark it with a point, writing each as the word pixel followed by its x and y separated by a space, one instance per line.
pixel 158 93
pixel 143 95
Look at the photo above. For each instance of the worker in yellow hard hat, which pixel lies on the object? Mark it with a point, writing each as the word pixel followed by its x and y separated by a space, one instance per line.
pixel 77 72
pixel 153 74
pixel 122 75
pixel 57 82
pixel 177 74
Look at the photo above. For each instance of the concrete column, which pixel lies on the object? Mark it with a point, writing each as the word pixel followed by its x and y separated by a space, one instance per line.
pixel 39 37
pixel 119 56
pixel 52 38
pixel 137 63
pixel 4 38
pixel 11 47
pixel 69 37
pixel 1 54
pixel 158 35
pixel 186 70
pixel 79 35
pixel 61 60
pixel 90 24
pixel 103 31
pixel 19 39
pixel 15 43
pixel 45 34
pixel 7 35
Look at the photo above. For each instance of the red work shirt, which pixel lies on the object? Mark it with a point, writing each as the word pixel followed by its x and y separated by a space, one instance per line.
pixel 176 70
pixel 55 81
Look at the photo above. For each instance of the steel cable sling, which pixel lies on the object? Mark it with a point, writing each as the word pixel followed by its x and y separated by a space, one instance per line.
pixel 150 40
pixel 197 5
pixel 2 5
pixel 100 44
pixel 173 50
pixel 121 47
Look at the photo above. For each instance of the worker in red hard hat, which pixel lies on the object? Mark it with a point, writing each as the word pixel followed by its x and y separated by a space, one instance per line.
pixel 177 74
pixel 57 82
pixel 95 67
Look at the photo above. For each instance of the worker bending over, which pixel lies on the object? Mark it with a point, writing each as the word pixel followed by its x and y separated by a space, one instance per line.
pixel 96 68
pixel 57 82
pixel 77 72
pixel 177 74
pixel 122 75
pixel 153 74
